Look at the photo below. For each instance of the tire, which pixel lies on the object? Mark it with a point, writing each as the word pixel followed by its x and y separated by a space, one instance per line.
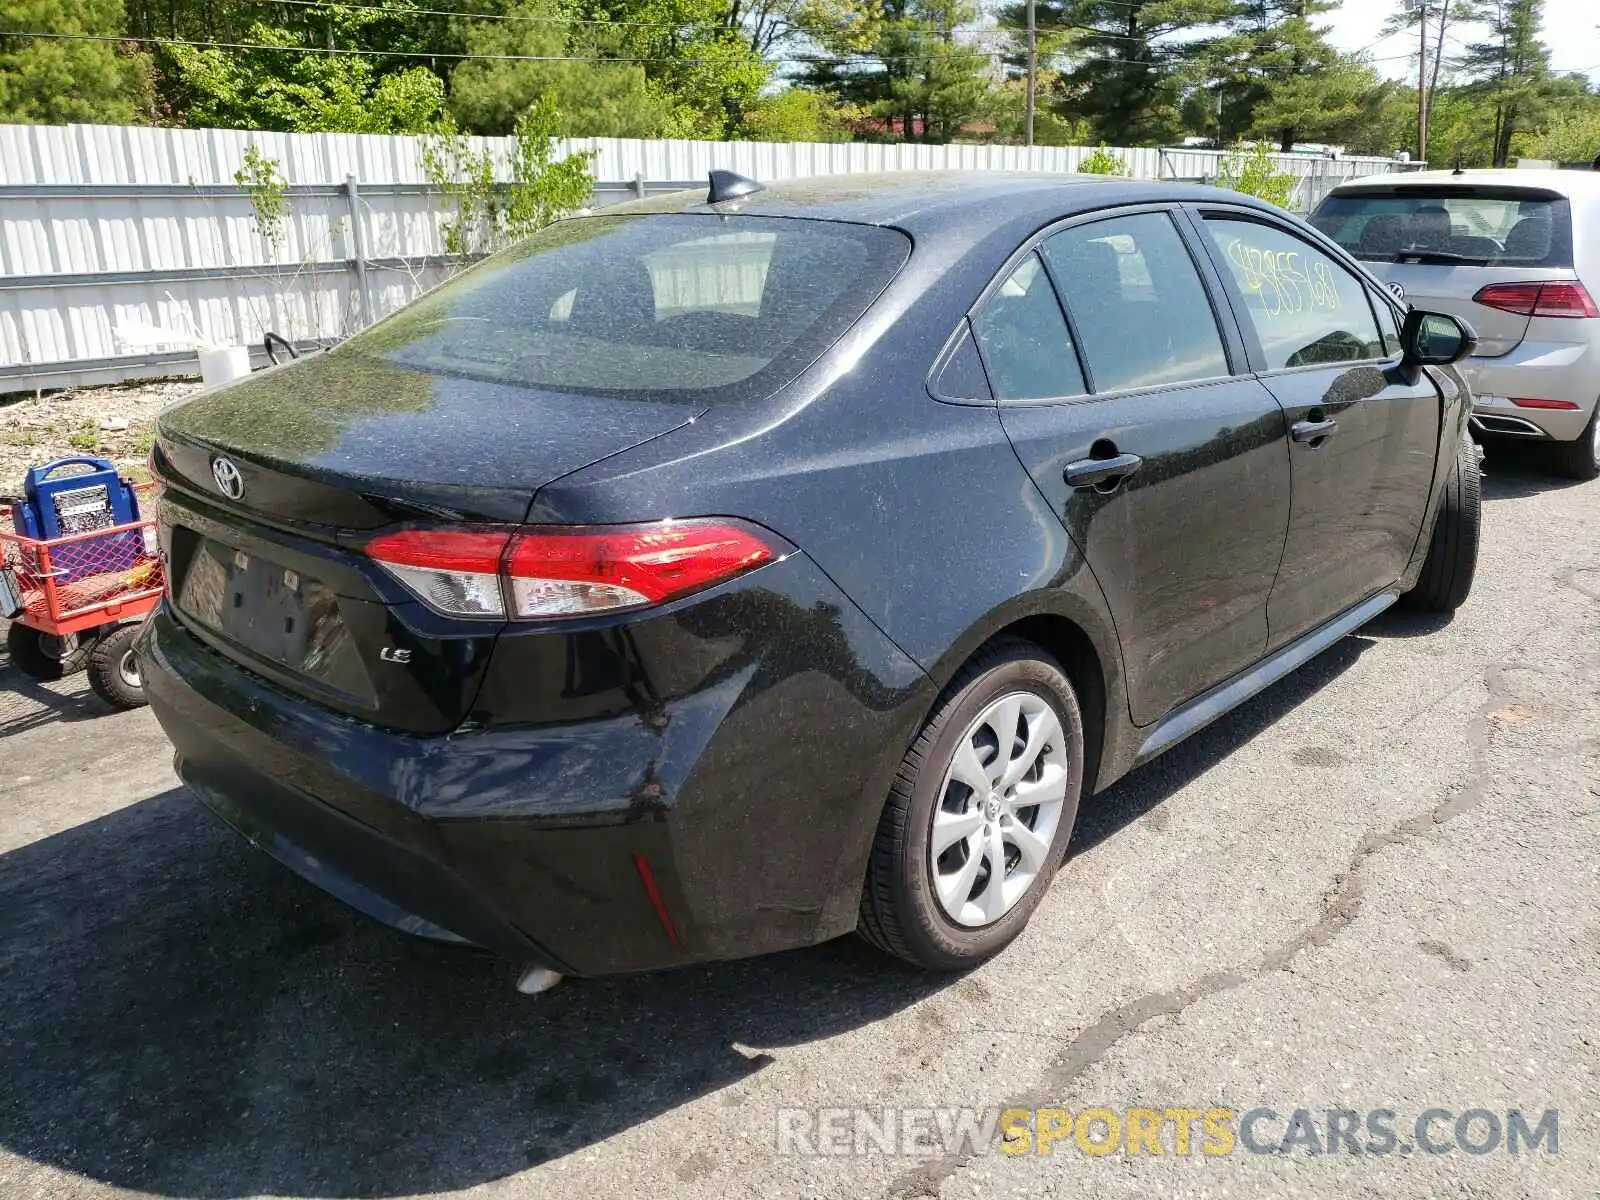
pixel 1580 459
pixel 1453 553
pixel 114 669
pixel 43 656
pixel 901 910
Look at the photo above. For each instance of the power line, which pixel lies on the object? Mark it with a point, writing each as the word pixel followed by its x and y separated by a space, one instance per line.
pixel 854 59
pixel 390 10
pixel 456 57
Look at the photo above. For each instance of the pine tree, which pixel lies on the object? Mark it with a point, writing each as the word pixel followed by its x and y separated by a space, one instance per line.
pixel 1127 67
pixel 1511 68
pixel 1273 74
pixel 927 83
pixel 48 81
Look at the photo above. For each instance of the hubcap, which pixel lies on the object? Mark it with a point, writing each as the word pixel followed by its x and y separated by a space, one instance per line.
pixel 128 668
pixel 1594 439
pixel 998 809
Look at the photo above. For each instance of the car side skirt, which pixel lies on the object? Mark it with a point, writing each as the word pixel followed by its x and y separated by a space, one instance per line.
pixel 1222 699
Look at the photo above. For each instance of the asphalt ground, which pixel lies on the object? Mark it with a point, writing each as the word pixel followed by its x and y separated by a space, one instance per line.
pixel 1375 887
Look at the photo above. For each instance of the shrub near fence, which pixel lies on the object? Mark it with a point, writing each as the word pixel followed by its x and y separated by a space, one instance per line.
pixel 107 233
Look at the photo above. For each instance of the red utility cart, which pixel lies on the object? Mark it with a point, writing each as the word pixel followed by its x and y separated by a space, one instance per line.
pixel 78 601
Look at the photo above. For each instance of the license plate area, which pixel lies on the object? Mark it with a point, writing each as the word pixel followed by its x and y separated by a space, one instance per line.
pixel 274 613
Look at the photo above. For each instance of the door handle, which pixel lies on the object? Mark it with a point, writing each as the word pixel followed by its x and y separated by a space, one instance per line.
pixel 1093 472
pixel 1313 431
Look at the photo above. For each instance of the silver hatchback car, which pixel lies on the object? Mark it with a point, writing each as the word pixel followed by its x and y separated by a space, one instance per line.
pixel 1509 251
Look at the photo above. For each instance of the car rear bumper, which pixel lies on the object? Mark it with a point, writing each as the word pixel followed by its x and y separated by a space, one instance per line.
pixel 1535 371
pixel 716 826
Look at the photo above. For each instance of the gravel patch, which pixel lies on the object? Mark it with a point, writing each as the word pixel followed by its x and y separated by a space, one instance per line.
pixel 107 422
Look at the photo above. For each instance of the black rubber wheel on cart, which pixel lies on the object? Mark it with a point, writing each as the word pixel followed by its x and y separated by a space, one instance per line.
pixel 114 669
pixel 44 656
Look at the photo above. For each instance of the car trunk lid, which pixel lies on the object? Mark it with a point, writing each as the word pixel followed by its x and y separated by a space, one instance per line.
pixel 272 488
pixel 344 441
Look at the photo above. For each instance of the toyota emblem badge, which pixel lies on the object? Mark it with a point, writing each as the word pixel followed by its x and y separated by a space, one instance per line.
pixel 229 482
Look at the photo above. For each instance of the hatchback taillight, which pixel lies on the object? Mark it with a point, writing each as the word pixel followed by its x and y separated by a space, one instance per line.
pixel 546 571
pixel 1568 299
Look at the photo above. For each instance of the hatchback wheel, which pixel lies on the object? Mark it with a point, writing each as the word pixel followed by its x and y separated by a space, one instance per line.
pixel 980 813
pixel 1580 459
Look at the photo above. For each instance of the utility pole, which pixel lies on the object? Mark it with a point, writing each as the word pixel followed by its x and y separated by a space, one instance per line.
pixel 1422 84
pixel 1033 69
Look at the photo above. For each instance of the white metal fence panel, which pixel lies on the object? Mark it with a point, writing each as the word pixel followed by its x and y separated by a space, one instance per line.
pixel 109 232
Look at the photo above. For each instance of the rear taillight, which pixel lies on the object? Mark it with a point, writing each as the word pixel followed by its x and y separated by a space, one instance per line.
pixel 1569 299
pixel 545 572
pixel 455 571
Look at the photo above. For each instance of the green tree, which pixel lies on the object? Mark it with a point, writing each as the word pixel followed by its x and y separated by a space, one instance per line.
pixel 1271 73
pixel 1510 68
pixel 798 114
pixel 594 100
pixel 51 82
pixel 1571 136
pixel 1127 62
pixel 1331 101
pixel 1005 109
pixel 908 67
pixel 293 87
pixel 704 67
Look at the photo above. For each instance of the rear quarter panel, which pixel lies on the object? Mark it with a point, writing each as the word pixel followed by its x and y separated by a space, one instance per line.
pixel 918 510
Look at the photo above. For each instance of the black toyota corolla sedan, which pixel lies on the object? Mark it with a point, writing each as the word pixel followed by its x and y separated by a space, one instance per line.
pixel 724 573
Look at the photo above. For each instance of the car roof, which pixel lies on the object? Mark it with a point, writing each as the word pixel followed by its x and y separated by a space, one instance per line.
pixel 942 202
pixel 1567 183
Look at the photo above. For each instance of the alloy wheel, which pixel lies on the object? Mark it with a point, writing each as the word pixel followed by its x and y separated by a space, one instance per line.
pixel 998 809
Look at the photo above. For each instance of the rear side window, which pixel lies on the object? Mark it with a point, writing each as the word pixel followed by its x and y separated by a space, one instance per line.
pixel 1444 224
pixel 1024 337
pixel 1306 309
pixel 660 306
pixel 1137 303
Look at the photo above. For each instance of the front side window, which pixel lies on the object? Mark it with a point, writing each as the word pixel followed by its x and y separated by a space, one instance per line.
pixel 1306 309
pixel 667 306
pixel 1137 303
pixel 1388 325
pixel 1026 346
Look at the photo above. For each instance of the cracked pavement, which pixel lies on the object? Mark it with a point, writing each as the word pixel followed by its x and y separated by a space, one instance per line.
pixel 1376 885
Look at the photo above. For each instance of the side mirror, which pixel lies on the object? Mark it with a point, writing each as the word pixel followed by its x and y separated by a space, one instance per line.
pixel 1430 339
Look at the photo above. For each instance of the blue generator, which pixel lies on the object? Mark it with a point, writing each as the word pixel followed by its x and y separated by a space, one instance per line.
pixel 59 502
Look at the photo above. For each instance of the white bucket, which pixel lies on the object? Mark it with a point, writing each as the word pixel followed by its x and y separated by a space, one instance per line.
pixel 224 365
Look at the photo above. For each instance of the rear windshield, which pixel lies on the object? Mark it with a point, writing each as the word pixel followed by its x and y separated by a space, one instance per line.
pixel 664 306
pixel 1472 225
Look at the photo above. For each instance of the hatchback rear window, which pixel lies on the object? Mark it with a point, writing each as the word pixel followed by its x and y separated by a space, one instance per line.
pixel 664 306
pixel 1469 225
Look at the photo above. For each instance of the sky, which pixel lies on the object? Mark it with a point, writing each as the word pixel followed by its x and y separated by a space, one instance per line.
pixel 1571 30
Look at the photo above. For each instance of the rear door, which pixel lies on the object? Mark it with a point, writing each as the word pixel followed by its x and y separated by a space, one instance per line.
pixel 1443 244
pixel 1362 437
pixel 1168 469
